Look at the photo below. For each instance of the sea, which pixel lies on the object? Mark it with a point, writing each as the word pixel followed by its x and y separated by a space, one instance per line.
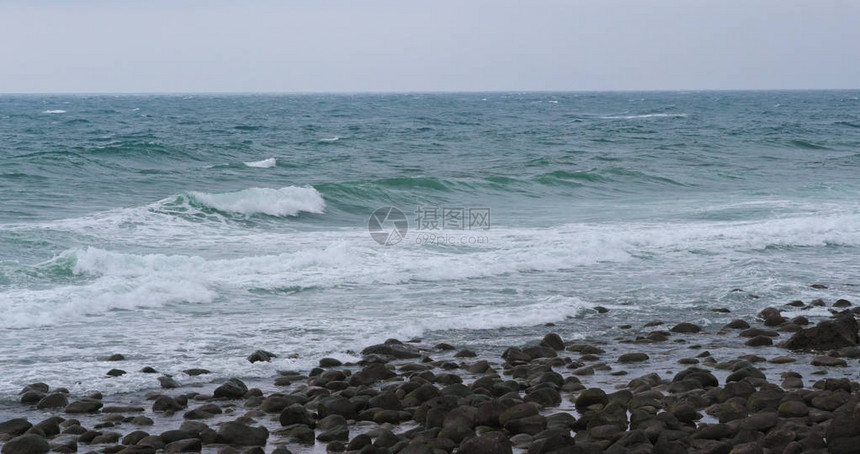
pixel 191 230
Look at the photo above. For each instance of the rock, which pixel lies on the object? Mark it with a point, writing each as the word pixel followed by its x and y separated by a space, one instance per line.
pixel 398 351
pixel 632 357
pixel 340 432
pixel 737 324
pixel 745 372
pixel 545 397
pixel 54 400
pixel 65 444
pixel 839 332
pixel 39 387
pixel 115 357
pixel 601 309
pixel 828 361
pixel 842 303
pixel 487 443
pixel 115 373
pixel 83 406
pixel 371 374
pixel 122 409
pixel 296 414
pixel 203 412
pixel 591 396
pixel 196 371
pixel 553 341
pixel 337 405
pixel 330 362
pixel 261 356
pixel 702 376
pixel 231 389
pixel 754 332
pixel 792 409
pixel 26 444
pixel 165 403
pixel 168 382
pixel 686 328
pixel 187 445
pixel 236 433
pixel 31 397
pixel 759 341
pixel 148 370
pixel 465 353
pixel 15 427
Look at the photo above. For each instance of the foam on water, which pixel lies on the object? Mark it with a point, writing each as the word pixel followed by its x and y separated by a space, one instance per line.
pixel 287 201
pixel 57 111
pixel 264 164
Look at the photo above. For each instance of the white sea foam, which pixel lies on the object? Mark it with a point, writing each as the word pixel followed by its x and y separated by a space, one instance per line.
pixel 57 111
pixel 287 201
pixel 330 139
pixel 264 164
pixel 632 117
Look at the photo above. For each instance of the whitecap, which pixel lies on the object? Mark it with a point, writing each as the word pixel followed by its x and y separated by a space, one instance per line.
pixel 287 201
pixel 264 164
pixel 57 111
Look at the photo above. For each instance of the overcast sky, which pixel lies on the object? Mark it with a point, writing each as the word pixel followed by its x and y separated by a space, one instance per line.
pixel 418 45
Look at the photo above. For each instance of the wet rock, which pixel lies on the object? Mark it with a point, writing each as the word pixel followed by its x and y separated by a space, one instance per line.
pixel 465 353
pixel 591 396
pixel 115 357
pixel 236 433
pixel 64 444
pixel 553 341
pixel 196 371
pixel 31 397
pixel 187 445
pixel 632 357
pixel 827 335
pixel 115 373
pixel 792 409
pixel 167 382
pixel 686 328
pixel 148 370
pixel 702 376
pixel 54 400
pixel 83 406
pixel 842 303
pixel 340 432
pixel 166 403
pixel 398 351
pixel 601 309
pixel 737 324
pixel 759 341
pixel 337 405
pixel 231 389
pixel 487 443
pixel 296 414
pixel 261 356
pixel 15 427
pixel 26 444
pixel 828 361
pixel 203 412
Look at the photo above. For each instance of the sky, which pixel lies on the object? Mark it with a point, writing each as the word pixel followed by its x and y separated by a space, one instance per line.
pixel 291 46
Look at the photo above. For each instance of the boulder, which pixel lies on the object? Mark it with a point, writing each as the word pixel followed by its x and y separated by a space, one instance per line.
pixel 833 334
pixel 231 389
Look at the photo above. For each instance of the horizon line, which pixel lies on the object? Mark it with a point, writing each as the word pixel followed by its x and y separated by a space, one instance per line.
pixel 396 92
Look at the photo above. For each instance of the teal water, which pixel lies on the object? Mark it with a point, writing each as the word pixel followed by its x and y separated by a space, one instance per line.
pixel 191 230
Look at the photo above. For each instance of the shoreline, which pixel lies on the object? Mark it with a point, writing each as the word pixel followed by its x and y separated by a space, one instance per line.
pixel 661 387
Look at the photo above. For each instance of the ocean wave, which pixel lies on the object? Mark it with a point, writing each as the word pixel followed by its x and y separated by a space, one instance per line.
pixel 287 201
pixel 329 139
pixel 263 164
pixel 56 111
pixel 267 262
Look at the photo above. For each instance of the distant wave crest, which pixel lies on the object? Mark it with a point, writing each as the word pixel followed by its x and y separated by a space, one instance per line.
pixel 264 164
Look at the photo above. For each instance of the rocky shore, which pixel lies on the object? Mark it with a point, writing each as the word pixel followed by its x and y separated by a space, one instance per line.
pixel 791 387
